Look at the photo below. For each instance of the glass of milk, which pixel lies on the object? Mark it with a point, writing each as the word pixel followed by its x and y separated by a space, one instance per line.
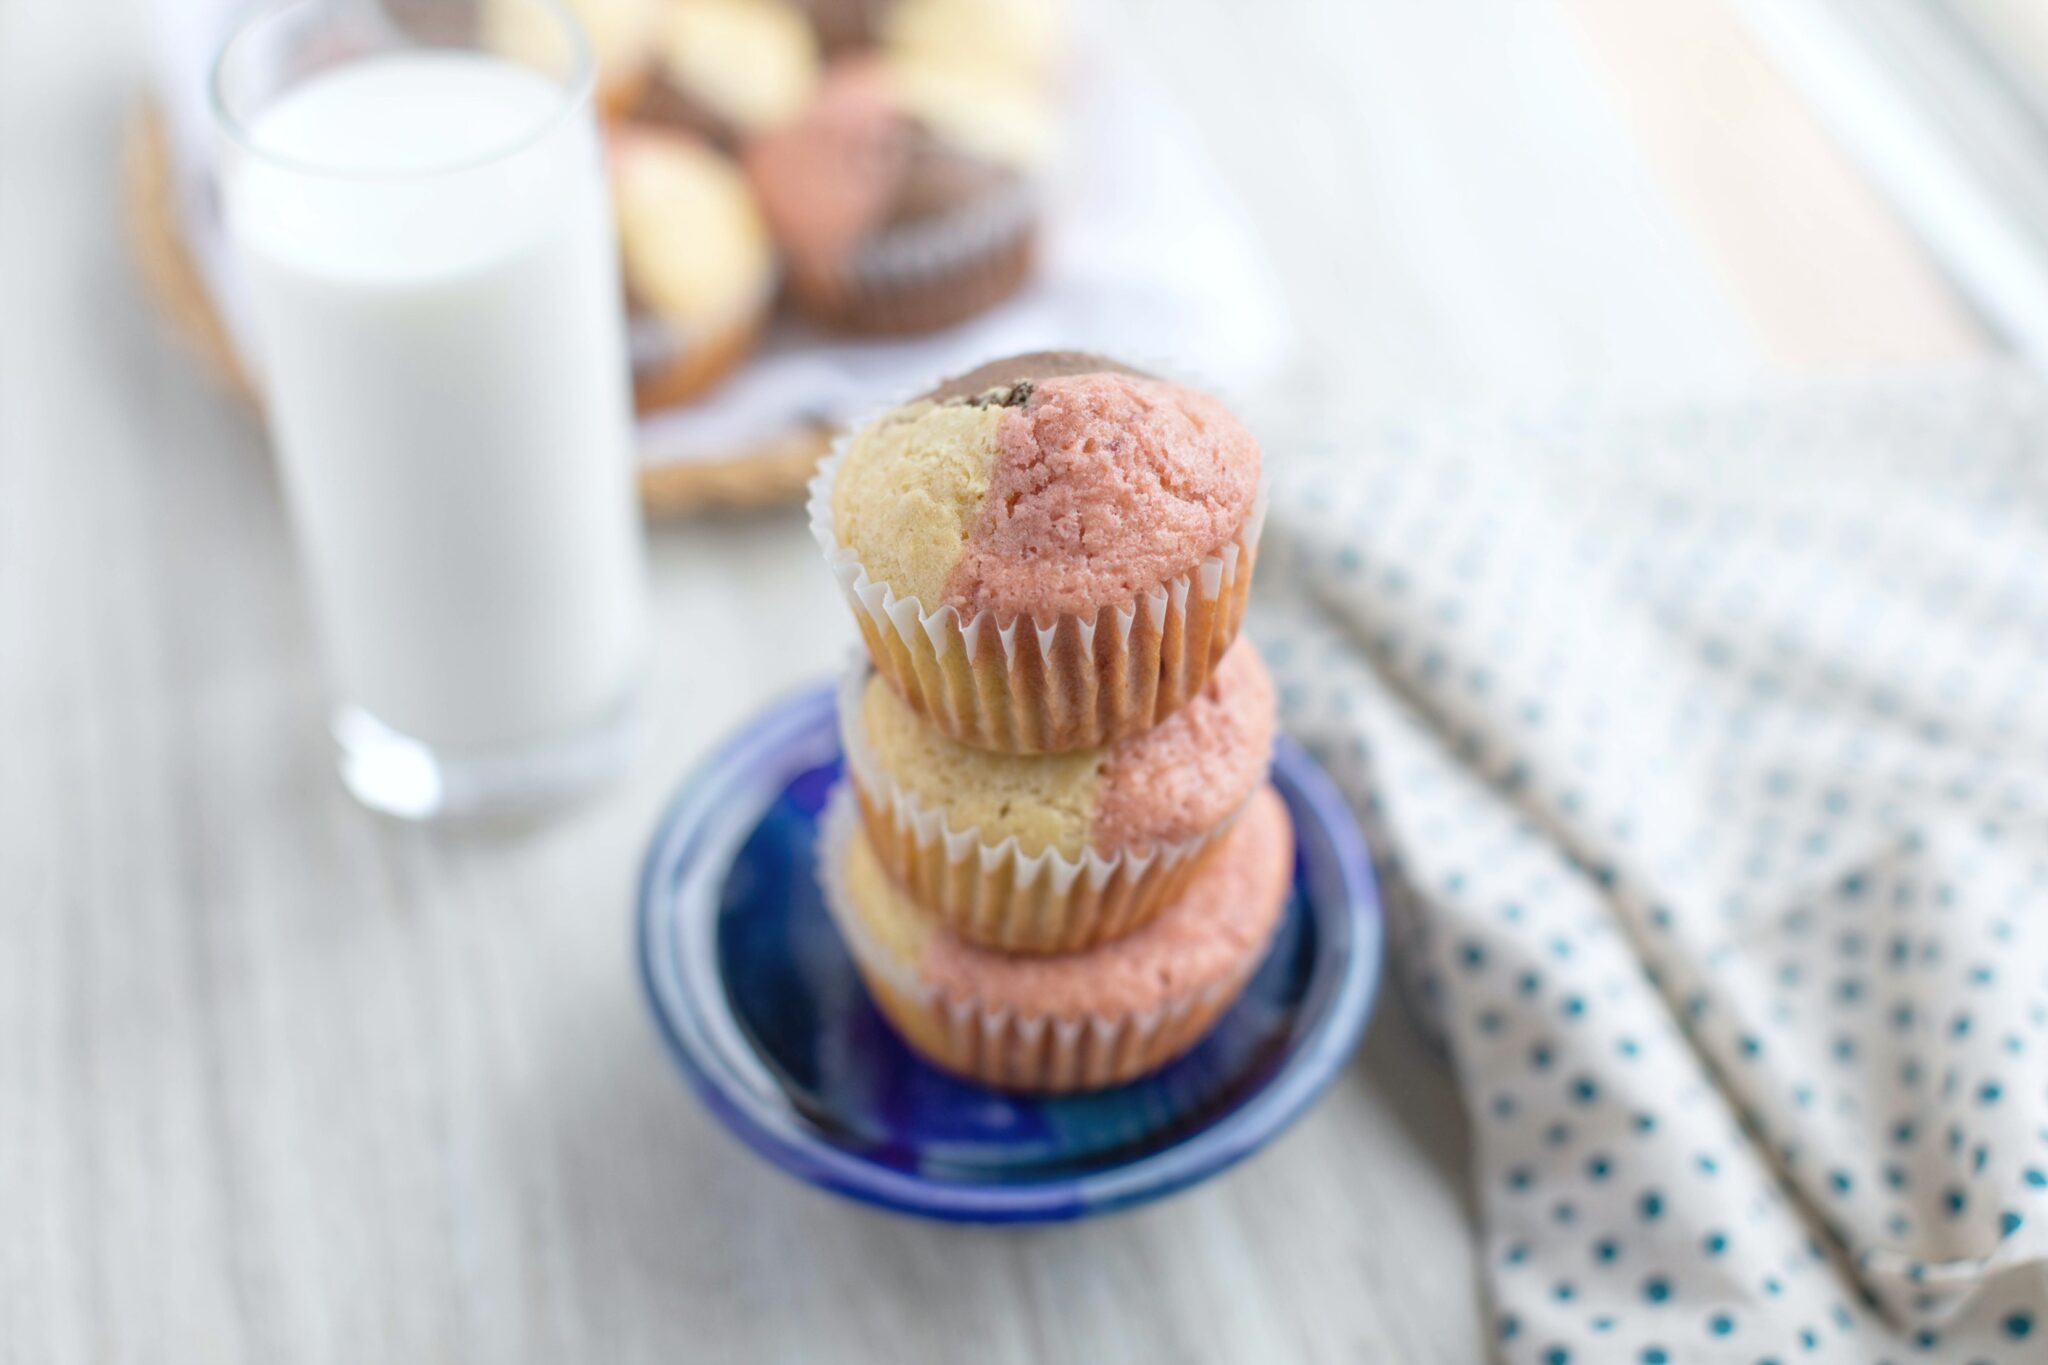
pixel 416 202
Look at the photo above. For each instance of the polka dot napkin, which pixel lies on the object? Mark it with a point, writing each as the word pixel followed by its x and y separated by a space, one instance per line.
pixel 1706 758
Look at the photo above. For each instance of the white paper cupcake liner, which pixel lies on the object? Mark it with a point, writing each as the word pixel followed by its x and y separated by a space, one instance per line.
pixel 672 366
pixel 675 363
pixel 1006 1049
pixel 654 342
pixel 931 272
pixel 1075 683
pixel 991 892
pixel 929 249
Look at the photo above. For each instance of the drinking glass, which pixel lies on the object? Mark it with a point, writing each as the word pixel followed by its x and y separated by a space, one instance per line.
pixel 415 198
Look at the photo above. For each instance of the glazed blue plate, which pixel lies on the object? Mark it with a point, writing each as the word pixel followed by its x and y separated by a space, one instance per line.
pixel 766 1016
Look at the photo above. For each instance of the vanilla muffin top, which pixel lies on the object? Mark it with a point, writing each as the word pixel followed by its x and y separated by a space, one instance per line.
pixel 1217 928
pixel 1065 484
pixel 1002 43
pixel 621 34
pixel 1010 125
pixel 692 245
pixel 1174 782
pixel 978 73
pixel 752 64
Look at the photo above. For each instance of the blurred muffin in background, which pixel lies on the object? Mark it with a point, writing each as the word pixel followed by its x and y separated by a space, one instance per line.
pixel 1006 41
pixel 843 25
pixel 699 268
pixel 978 72
pixel 897 209
pixel 621 34
pixel 729 69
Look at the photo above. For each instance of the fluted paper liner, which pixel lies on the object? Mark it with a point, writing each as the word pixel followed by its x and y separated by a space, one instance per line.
pixel 1073 683
pixel 1007 1050
pixel 931 272
pixel 673 365
pixel 991 892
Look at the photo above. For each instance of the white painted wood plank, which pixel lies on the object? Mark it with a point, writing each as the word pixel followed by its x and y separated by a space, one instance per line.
pixel 1457 210
pixel 1824 274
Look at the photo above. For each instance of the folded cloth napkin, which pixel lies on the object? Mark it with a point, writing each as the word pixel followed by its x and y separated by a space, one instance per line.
pixel 1706 753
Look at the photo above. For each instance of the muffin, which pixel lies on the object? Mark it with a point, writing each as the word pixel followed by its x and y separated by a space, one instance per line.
pixel 1013 42
pixel 888 225
pixel 978 72
pixel 621 34
pixel 1075 1021
pixel 1054 560
pixel 1054 853
pixel 729 69
pixel 843 25
pixel 699 269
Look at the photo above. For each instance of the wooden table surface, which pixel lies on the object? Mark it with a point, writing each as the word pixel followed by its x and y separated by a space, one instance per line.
pixel 282 1082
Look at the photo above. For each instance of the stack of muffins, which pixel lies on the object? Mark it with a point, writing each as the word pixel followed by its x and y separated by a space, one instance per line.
pixel 875 162
pixel 1056 861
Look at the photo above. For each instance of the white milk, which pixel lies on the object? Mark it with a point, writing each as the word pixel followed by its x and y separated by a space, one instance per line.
pixel 442 353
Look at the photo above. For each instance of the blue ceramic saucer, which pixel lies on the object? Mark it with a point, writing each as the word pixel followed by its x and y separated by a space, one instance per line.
pixel 766 1016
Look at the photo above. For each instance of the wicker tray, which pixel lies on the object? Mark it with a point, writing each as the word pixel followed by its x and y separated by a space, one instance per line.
pixel 761 476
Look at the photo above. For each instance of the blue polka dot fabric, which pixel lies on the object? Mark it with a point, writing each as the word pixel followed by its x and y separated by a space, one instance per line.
pixel 1705 754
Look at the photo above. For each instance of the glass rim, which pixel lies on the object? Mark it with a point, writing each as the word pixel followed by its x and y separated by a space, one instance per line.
pixel 577 90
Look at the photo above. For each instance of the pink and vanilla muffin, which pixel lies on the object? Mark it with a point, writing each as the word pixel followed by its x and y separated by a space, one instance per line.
pixel 1051 553
pixel 1073 1021
pixel 1057 852
pixel 898 217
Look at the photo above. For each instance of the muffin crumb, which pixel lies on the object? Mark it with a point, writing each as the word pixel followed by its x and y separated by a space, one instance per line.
pixel 1015 396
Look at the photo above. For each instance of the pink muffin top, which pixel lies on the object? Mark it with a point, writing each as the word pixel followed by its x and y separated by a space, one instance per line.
pixel 1185 776
pixel 1103 487
pixel 1217 928
pixel 825 180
